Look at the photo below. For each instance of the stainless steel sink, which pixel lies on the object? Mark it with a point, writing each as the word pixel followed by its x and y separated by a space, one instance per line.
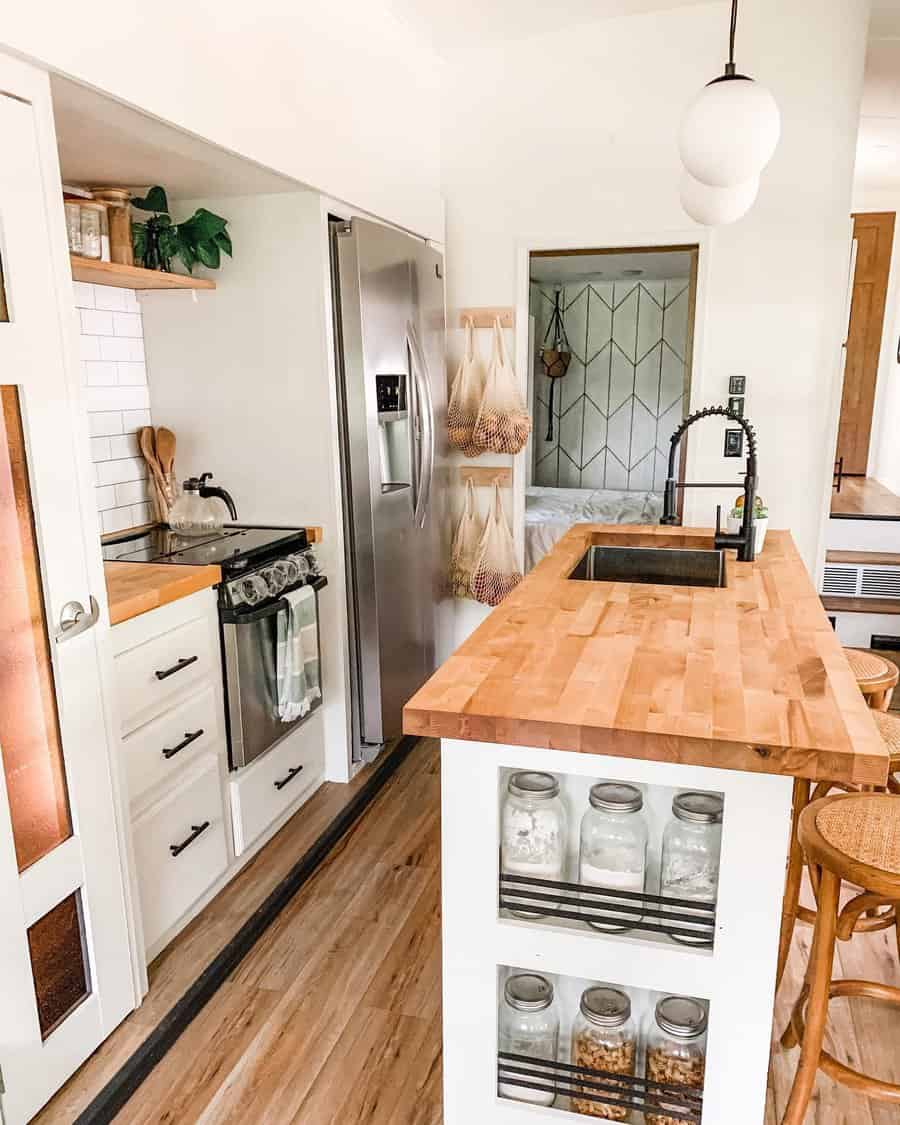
pixel 663 566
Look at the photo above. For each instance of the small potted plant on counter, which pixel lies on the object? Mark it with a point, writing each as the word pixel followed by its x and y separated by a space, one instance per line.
pixel 760 519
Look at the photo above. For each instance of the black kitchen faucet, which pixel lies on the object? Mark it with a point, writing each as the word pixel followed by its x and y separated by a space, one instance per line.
pixel 745 539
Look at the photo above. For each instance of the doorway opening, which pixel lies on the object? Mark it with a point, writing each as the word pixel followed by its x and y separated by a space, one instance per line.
pixel 604 412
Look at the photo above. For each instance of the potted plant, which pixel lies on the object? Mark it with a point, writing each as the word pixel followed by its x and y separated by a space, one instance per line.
pixel 760 520
pixel 201 238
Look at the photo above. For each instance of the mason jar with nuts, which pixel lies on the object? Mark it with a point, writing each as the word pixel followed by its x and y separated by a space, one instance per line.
pixel 676 1052
pixel 604 1039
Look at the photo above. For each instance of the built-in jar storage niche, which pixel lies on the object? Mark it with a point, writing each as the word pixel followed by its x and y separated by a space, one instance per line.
pixel 612 857
pixel 601 1050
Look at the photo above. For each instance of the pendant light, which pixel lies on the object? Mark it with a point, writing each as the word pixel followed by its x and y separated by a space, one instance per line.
pixel 557 356
pixel 731 130
pixel 716 206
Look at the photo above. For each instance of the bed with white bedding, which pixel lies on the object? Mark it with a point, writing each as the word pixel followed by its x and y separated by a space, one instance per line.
pixel 550 512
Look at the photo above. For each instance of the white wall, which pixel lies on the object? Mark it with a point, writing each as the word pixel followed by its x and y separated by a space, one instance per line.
pixel 338 96
pixel 242 377
pixel 884 451
pixel 517 172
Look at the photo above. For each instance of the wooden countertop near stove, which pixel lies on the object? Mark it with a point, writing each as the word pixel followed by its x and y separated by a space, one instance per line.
pixel 133 588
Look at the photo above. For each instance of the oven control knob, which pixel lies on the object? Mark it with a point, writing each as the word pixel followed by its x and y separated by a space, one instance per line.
pixel 273 578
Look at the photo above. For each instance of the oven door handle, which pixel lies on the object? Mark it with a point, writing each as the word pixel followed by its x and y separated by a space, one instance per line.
pixel 233 617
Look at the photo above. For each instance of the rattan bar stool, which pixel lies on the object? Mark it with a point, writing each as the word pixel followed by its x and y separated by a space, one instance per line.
pixel 852 837
pixel 876 676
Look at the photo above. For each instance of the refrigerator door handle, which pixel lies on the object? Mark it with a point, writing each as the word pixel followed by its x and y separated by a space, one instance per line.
pixel 424 423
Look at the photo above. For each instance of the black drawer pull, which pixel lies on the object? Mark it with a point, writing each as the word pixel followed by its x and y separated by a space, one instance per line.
pixel 176 667
pixel 189 737
pixel 196 830
pixel 291 774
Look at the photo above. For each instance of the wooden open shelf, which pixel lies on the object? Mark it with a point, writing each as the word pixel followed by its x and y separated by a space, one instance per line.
pixel 132 277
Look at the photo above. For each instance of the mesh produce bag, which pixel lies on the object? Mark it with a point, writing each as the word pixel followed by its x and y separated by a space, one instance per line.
pixel 496 570
pixel 503 422
pixel 465 547
pixel 465 398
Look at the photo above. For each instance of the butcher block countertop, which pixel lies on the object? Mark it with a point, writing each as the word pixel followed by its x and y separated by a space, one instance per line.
pixel 748 677
pixel 134 588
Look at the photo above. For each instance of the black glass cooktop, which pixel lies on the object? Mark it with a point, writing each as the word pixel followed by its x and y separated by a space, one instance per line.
pixel 223 548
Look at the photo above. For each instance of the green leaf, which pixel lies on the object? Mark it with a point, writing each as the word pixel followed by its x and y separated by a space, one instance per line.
pixel 223 241
pixel 208 253
pixel 139 240
pixel 154 200
pixel 186 251
pixel 168 242
pixel 204 224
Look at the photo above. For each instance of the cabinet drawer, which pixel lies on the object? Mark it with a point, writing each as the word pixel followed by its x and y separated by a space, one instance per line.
pixel 154 673
pixel 163 749
pixel 170 883
pixel 261 792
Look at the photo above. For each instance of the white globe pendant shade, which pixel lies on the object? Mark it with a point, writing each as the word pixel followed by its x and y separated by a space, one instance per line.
pixel 716 206
pixel 730 132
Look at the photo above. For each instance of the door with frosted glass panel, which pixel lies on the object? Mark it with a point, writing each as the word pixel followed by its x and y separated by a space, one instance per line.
pixel 65 967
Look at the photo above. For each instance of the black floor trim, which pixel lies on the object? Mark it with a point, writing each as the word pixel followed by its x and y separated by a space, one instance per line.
pixel 138 1066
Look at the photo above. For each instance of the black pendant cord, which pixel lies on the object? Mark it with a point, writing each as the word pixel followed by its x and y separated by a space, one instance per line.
pixel 549 436
pixel 730 67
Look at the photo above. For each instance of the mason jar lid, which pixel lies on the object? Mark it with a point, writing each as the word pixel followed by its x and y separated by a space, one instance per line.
pixel 605 1007
pixel 699 808
pixel 533 784
pixel 616 796
pixel 528 992
pixel 681 1016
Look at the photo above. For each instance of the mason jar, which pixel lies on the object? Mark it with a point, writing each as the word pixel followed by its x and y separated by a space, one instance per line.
pixel 676 1050
pixel 690 853
pixel 604 1038
pixel 613 851
pixel 529 1025
pixel 533 832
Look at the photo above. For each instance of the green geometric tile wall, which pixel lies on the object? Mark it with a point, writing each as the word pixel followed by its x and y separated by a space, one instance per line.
pixel 624 392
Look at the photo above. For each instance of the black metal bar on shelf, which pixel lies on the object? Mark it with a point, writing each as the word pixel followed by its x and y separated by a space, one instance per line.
pixel 652 913
pixel 624 1091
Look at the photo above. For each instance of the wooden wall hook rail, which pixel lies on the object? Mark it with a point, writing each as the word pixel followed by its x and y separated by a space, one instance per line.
pixel 485 317
pixel 485 475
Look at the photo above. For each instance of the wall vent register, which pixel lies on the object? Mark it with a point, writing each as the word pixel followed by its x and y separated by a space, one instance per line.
pixel 860 581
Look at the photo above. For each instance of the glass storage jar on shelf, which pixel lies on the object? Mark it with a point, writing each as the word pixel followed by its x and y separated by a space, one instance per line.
pixel 529 1025
pixel 676 1051
pixel 533 831
pixel 604 1038
pixel 690 852
pixel 613 850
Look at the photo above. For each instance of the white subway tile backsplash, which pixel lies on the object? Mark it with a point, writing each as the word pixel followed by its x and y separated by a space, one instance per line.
pixel 117 399
pixel 95 323
pixel 84 295
pixel 125 445
pixel 104 422
pixel 108 297
pixel 132 492
pixel 100 450
pixel 106 497
pixel 131 375
pixel 118 472
pixel 100 374
pixel 133 420
pixel 127 324
pixel 117 519
pixel 90 345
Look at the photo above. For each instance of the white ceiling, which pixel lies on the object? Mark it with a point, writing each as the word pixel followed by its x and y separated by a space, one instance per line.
pixel 878 148
pixel 655 265
pixel 468 22
pixel 103 142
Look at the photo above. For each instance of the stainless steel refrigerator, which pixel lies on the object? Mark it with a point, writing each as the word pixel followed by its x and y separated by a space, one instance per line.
pixel 392 392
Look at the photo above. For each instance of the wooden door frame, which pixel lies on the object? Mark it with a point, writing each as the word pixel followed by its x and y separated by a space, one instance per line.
pixel 696 241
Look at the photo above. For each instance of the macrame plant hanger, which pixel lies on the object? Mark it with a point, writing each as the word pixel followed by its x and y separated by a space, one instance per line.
pixel 557 356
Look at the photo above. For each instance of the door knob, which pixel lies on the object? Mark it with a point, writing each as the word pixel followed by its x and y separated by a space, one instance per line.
pixel 75 619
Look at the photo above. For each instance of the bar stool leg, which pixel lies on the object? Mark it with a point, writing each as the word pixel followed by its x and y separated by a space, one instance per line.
pixel 818 980
pixel 794 879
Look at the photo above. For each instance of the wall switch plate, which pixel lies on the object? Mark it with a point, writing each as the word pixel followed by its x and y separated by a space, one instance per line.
pixel 734 443
pixel 737 384
pixel 736 405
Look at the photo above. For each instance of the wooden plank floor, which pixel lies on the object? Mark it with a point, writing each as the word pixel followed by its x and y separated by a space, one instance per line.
pixel 335 1015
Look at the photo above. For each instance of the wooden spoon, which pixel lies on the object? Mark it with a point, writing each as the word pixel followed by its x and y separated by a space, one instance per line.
pixel 147 442
pixel 165 449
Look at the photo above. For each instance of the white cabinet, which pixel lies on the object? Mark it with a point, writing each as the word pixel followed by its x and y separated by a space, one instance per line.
pixel 264 790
